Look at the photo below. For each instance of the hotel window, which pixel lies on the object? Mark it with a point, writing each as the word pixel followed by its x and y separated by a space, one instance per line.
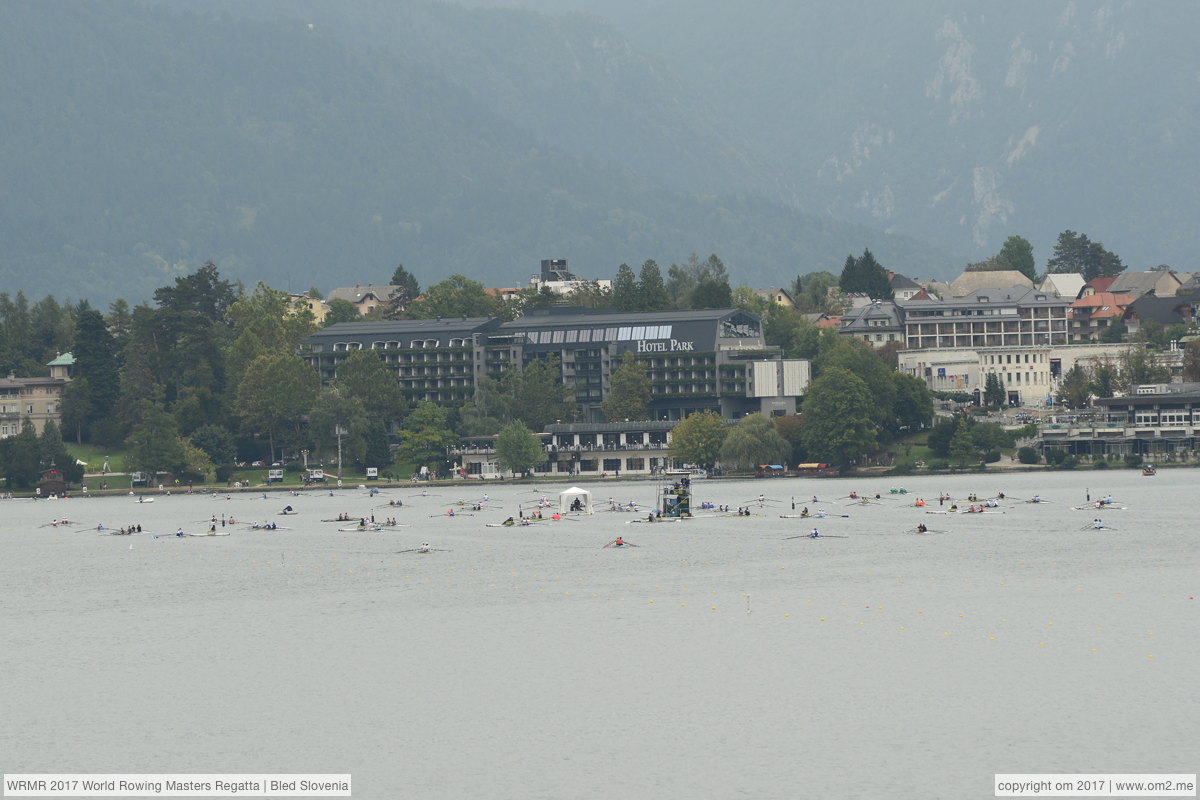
pixel 624 334
pixel 557 338
pixel 610 335
pixel 639 332
pixel 572 337
pixel 585 335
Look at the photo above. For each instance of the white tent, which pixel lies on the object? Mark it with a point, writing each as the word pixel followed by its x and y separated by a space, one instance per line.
pixel 567 501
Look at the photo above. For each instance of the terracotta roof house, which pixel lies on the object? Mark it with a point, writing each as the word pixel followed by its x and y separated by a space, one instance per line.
pixel 365 297
pixel 1090 315
pixel 972 281
pixel 1096 285
pixel 1066 285
pixel 1160 283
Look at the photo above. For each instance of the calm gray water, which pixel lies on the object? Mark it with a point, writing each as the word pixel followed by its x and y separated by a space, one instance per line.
pixel 716 660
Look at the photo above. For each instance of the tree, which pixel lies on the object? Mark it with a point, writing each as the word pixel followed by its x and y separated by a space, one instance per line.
pixel 197 466
pixel 203 292
pixel 341 311
pixel 994 393
pixel 457 296
pixel 698 438
pixel 332 411
pixel 264 321
pixel 941 433
pixel 536 395
pixel 76 407
pixel 1113 333
pixel 154 445
pixel 913 407
pixel 275 395
pixel 754 441
pixel 1191 361
pixel 838 417
pixel 747 299
pixel 865 275
pixel 711 293
pixel 363 375
pixel 651 288
pixel 378 453
pixel 791 428
pixel 625 293
pixel 407 290
pixel 54 453
pixel 858 358
pixel 95 360
pixel 1138 367
pixel 1105 380
pixel 426 436
pixel 22 457
pixel 517 449
pixel 1017 253
pixel 962 445
pixel 587 294
pixel 812 292
pixel 217 443
pixel 1075 252
pixel 628 391
pixel 683 280
pixel 1073 390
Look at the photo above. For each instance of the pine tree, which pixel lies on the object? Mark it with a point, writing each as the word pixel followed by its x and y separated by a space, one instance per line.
pixel 625 292
pixel 651 287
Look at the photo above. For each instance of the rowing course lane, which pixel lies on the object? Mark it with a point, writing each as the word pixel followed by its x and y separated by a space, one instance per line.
pixel 716 659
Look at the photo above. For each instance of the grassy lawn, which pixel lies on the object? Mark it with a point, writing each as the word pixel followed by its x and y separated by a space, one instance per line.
pixel 94 456
pixel 911 450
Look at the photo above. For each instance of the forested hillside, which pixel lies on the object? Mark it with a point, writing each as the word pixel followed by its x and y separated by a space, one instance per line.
pixel 141 140
pixel 961 123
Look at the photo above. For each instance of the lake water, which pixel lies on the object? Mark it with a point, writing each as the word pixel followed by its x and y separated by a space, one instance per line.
pixel 718 659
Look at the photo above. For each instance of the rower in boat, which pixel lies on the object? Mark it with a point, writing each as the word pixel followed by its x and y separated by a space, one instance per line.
pixel 814 533
pixel 509 522
pixel 424 548
pixel 1097 523
pixel 921 528
pixel 620 542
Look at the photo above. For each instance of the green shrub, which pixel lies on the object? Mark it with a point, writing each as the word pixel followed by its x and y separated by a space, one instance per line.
pixel 1133 460
pixel 1101 464
pixel 1055 457
pixel 1068 462
pixel 1028 455
pixel 991 456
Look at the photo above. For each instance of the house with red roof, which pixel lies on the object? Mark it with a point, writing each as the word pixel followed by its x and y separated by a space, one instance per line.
pixel 1088 316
